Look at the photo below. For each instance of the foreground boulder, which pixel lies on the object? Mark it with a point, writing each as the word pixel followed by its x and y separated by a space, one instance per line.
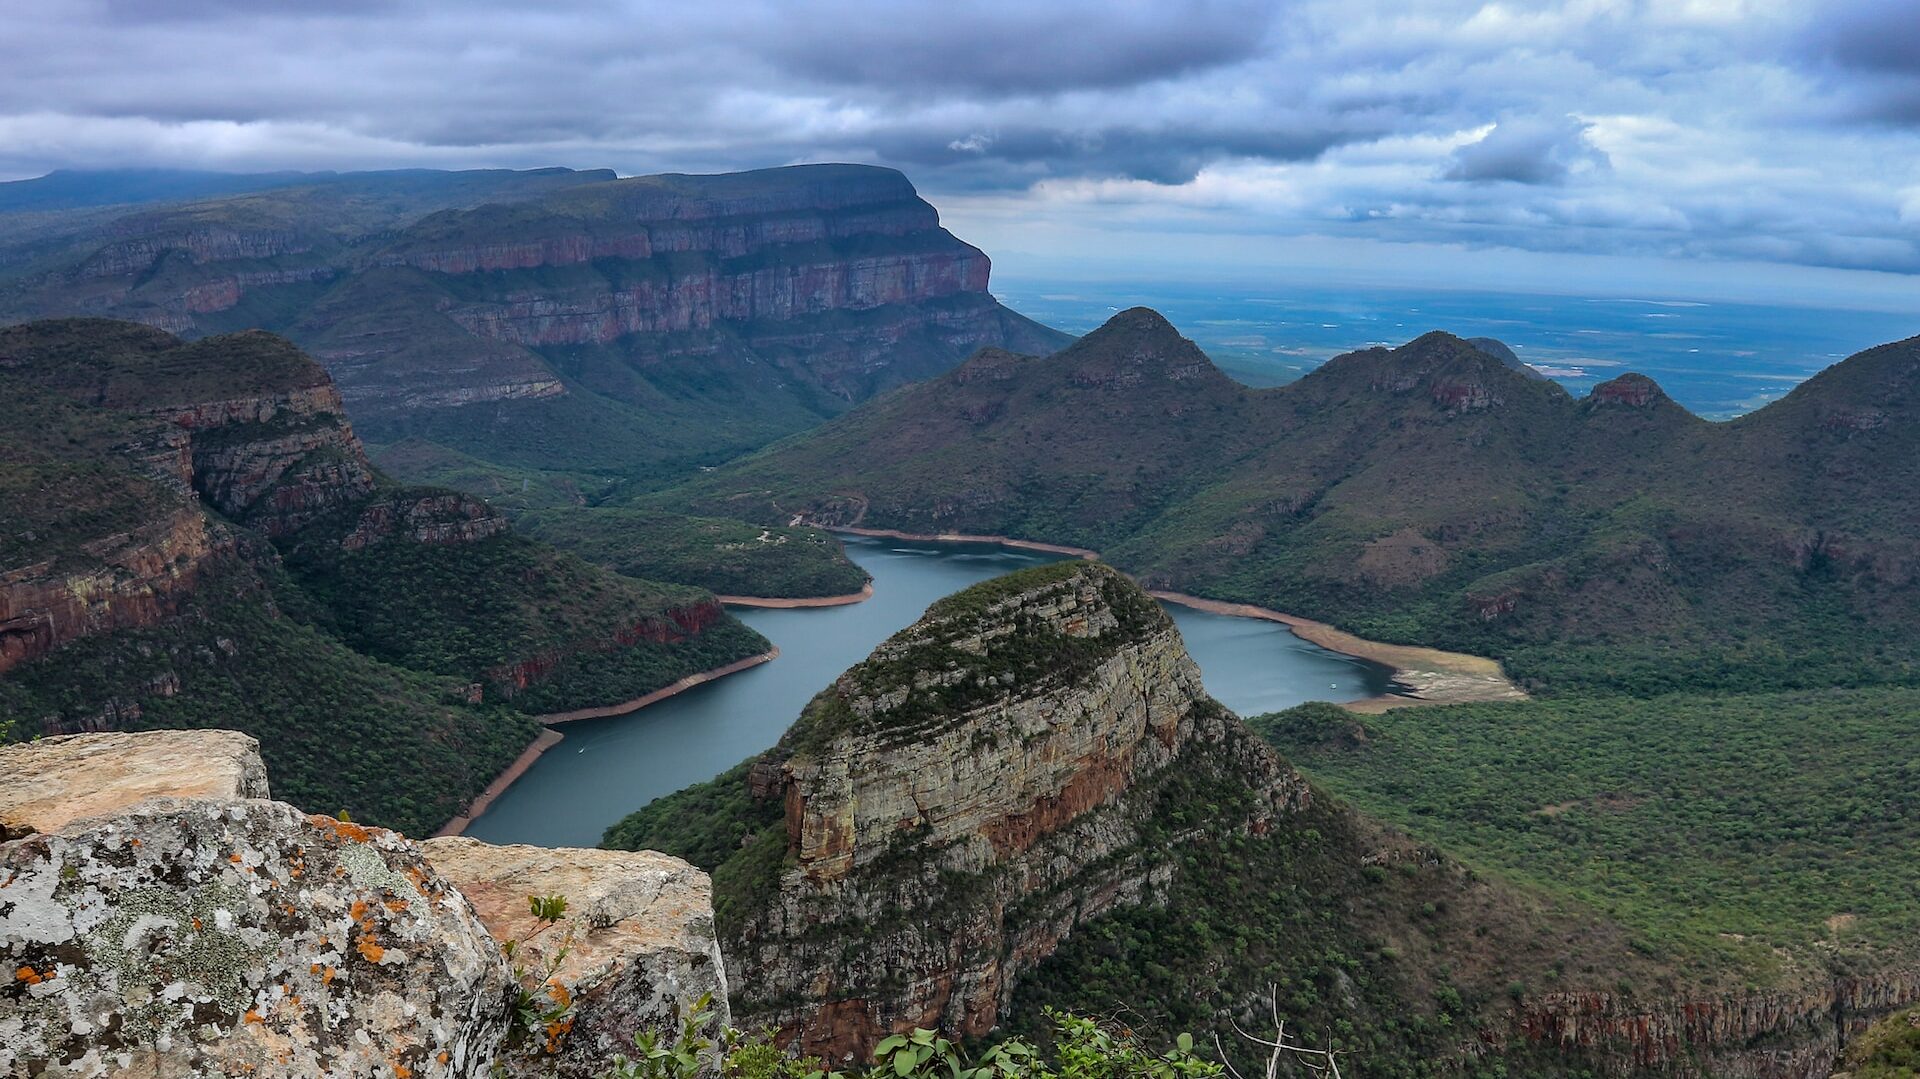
pixel 52 781
pixel 636 951
pixel 159 917
pixel 227 937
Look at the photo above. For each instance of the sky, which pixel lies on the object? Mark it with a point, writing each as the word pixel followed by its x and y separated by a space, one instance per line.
pixel 1762 149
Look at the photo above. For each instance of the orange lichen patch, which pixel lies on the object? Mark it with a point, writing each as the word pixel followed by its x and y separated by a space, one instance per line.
pixel 196 925
pixel 341 828
pixel 252 1016
pixel 133 842
pixel 443 1057
pixel 370 951
pixel 327 976
pixel 397 906
pixel 557 1032
pixel 29 975
pixel 418 877
pixel 561 996
pixel 358 912
pixel 235 857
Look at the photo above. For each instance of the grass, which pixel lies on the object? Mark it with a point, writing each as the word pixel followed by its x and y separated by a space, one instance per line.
pixel 726 556
pixel 1724 831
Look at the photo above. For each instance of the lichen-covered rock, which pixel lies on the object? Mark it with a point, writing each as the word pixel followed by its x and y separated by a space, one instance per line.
pixel 226 937
pixel 635 951
pixel 52 781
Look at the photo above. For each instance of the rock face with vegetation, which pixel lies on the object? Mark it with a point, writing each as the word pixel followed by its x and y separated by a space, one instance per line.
pixel 195 537
pixel 158 916
pixel 966 798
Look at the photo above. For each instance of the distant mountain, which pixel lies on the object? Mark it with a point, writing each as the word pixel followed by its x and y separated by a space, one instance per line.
pixel 552 319
pixel 1429 493
pixel 1498 349
pixel 193 536
pixel 71 189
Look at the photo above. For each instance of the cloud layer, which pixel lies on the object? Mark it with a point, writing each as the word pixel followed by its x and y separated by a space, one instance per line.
pixel 1784 131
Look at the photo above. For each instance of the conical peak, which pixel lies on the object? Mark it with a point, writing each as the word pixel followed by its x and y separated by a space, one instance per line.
pixel 1631 390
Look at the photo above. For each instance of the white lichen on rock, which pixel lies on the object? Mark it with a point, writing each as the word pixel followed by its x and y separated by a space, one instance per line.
pixel 187 937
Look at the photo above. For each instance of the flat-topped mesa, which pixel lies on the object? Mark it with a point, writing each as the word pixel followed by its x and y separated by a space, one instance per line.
pixel 969 794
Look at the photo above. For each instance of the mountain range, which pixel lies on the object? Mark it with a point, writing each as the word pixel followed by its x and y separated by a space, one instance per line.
pixel 1429 493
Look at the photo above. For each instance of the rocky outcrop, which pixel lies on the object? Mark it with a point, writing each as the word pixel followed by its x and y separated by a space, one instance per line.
pixel 439 517
pixel 54 781
pixel 120 581
pixel 275 462
pixel 677 623
pixel 637 952
pixel 1788 1033
pixel 158 916
pixel 966 797
pixel 228 937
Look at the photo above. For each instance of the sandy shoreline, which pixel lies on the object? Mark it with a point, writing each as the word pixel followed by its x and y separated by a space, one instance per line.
pixel 964 537
pixel 661 694
pixel 1426 675
pixel 548 737
pixel 1429 675
pixel 866 592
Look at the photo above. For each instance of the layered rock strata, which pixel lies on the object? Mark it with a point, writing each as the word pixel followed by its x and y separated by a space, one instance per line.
pixel 966 797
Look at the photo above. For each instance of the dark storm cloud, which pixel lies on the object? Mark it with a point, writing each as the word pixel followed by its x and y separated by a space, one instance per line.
pixel 1783 129
pixel 1022 49
pixel 1526 151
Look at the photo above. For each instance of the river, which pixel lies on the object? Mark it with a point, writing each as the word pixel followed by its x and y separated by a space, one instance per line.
pixel 606 768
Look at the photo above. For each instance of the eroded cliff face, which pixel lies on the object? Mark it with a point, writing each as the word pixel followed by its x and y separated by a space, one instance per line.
pixel 1793 1032
pixel 966 797
pixel 839 277
pixel 273 460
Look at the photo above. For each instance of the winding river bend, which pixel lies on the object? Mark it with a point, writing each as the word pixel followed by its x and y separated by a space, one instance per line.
pixel 606 768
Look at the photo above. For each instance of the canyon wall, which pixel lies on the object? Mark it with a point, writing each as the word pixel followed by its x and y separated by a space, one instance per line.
pixel 832 279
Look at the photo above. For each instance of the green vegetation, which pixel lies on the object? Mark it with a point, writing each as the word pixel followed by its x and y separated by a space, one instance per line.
pixel 1890 1049
pixel 1719 829
pixel 730 557
pixel 352 651
pixel 338 730
pixel 1079 1048
pixel 1428 494
pixel 542 628
pixel 704 823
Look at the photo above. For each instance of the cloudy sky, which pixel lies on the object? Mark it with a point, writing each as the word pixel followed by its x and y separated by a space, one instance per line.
pixel 1775 143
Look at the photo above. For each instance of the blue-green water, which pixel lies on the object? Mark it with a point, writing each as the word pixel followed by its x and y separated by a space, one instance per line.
pixel 607 768
pixel 1718 359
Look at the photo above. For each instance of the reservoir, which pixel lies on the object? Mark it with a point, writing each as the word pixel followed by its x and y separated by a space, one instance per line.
pixel 606 768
